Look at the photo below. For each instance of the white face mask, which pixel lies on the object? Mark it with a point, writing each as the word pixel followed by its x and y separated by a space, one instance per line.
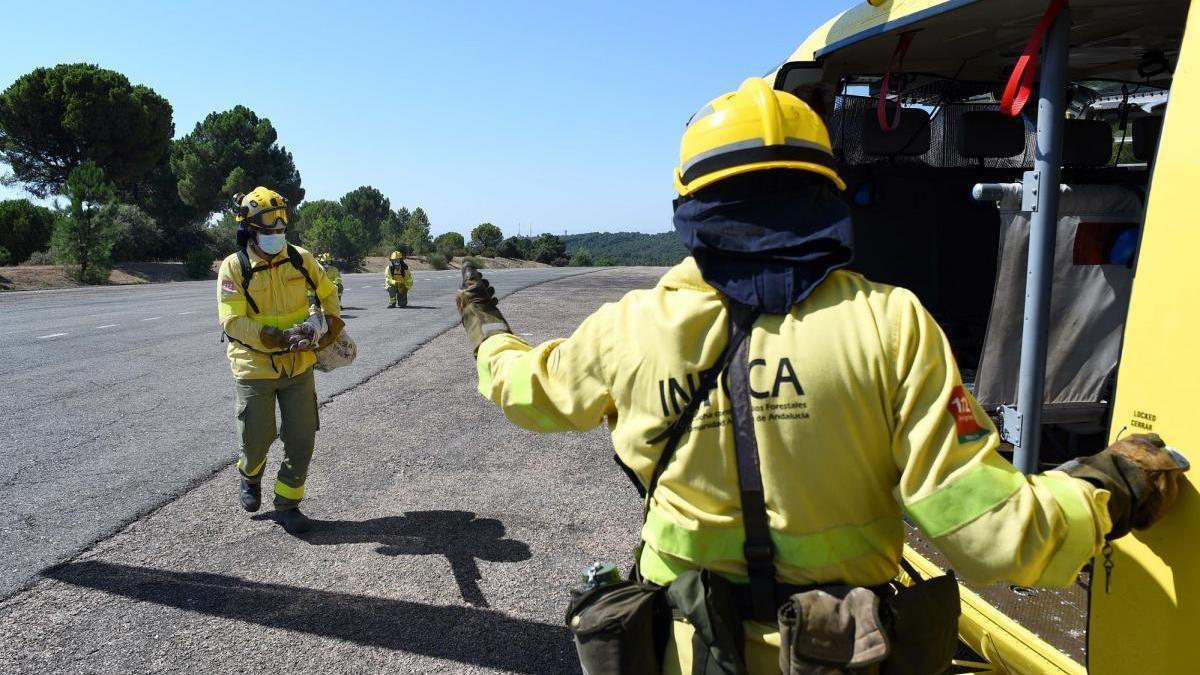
pixel 271 243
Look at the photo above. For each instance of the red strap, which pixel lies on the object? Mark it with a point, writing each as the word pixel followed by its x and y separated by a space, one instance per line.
pixel 896 61
pixel 1020 83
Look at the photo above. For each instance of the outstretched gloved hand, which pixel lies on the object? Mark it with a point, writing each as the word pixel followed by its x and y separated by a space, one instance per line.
pixel 1142 476
pixel 478 306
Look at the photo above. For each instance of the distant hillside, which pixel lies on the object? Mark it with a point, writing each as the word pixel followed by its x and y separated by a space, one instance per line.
pixel 628 248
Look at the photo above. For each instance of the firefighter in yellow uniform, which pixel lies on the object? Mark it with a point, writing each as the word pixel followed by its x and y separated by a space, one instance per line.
pixel 847 387
pixel 277 306
pixel 334 274
pixel 398 279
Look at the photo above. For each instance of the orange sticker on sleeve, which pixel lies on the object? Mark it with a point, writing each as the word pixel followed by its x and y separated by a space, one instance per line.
pixel 965 424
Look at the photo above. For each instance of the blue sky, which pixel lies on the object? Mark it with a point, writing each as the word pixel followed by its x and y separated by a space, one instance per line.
pixel 548 116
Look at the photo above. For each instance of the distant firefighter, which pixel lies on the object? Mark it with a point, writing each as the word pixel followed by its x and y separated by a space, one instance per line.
pixel 398 279
pixel 334 274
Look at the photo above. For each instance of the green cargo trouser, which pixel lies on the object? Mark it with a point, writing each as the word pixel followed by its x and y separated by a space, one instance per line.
pixel 398 295
pixel 297 398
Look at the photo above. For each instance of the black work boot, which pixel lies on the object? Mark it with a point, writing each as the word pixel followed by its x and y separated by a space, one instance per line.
pixel 251 494
pixel 294 522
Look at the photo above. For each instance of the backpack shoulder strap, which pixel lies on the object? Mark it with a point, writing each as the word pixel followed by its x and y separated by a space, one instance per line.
pixel 297 261
pixel 247 272
pixel 758 549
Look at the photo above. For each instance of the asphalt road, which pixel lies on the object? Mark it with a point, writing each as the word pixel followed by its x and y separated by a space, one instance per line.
pixel 113 400
pixel 445 542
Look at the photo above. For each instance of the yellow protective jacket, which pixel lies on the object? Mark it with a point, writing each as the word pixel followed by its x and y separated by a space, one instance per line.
pixel 860 416
pixel 403 281
pixel 281 293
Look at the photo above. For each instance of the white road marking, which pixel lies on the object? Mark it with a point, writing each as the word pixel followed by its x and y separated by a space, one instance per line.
pixel 52 335
pixel 107 325
pixel 191 312
pixel 152 318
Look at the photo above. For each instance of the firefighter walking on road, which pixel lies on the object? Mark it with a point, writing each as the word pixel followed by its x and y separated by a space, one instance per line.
pixel 277 306
pixel 334 274
pixel 782 415
pixel 398 279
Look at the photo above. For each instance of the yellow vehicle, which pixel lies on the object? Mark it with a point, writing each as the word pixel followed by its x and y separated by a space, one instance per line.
pixel 1053 241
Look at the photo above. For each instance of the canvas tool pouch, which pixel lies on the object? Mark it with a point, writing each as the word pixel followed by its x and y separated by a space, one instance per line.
pixel 706 600
pixel 923 626
pixel 619 628
pixel 832 629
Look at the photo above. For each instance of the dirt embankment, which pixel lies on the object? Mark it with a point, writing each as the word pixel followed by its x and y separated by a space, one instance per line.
pixel 40 277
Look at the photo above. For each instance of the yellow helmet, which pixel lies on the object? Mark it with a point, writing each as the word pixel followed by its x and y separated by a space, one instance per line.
pixel 753 129
pixel 397 255
pixel 261 208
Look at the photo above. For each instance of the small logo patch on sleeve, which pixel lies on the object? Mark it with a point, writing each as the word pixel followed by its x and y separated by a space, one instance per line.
pixel 965 424
pixel 227 287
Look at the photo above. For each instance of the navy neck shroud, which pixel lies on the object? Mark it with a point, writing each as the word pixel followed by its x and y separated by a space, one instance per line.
pixel 767 245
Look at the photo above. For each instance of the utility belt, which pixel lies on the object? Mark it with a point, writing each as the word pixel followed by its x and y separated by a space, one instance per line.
pixel 622 627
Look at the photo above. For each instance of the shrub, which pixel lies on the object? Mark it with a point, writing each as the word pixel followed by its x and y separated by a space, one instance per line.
pixel 560 262
pixel 514 247
pixel 582 258
pixel 40 258
pixel 479 264
pixel 345 238
pixel 438 261
pixel 548 248
pixel 199 264
pixel 5 256
pixel 24 228
pixel 138 237
pixel 448 243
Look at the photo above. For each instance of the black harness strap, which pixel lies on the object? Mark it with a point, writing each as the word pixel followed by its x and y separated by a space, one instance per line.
pixel 708 381
pixel 248 271
pixel 674 433
pixel 758 549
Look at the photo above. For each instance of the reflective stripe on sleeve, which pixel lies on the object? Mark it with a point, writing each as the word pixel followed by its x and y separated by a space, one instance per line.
pixel 1080 543
pixel 977 491
pixel 230 308
pixel 520 382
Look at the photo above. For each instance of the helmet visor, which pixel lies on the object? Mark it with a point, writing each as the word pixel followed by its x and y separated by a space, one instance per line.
pixel 270 219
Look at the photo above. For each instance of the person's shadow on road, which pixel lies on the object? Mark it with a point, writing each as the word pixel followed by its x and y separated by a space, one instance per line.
pixel 459 535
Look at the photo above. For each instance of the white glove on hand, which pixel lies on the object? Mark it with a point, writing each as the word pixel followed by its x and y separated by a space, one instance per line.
pixel 306 334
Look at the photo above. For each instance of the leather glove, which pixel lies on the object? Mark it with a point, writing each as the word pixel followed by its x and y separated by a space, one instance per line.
pixel 1140 473
pixel 477 304
pixel 300 337
pixel 273 338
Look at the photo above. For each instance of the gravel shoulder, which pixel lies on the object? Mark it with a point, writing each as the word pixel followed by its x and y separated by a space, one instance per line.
pixel 446 539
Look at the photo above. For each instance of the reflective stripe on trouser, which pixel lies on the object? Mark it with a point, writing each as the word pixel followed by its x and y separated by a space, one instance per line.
pixel 398 295
pixel 297 398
